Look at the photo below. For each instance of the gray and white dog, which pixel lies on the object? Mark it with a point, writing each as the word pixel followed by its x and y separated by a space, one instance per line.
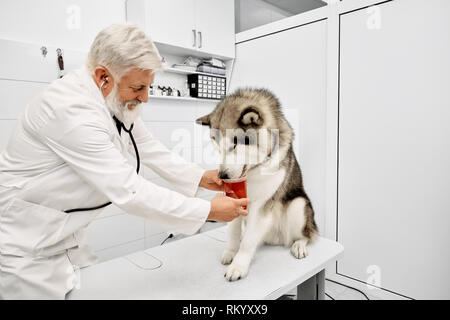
pixel 254 139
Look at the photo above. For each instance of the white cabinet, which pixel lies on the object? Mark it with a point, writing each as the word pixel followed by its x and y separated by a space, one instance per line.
pixel 169 21
pixel 199 27
pixel 66 24
pixel 394 148
pixel 215 26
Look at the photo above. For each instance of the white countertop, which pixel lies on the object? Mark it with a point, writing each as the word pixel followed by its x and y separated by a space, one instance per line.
pixel 190 269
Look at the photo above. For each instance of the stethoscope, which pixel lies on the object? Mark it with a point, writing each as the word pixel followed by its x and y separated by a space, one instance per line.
pixel 119 126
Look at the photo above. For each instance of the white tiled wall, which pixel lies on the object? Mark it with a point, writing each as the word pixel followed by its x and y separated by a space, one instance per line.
pixel 15 96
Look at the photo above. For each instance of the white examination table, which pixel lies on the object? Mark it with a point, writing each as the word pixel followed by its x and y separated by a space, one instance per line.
pixel 190 268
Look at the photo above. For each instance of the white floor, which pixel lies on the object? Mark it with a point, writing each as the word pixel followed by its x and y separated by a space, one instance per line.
pixel 339 292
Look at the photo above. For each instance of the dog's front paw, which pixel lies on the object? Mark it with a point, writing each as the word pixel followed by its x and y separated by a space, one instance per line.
pixel 235 272
pixel 228 256
pixel 298 249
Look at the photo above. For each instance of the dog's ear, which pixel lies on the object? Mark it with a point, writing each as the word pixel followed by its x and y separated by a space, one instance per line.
pixel 250 117
pixel 205 120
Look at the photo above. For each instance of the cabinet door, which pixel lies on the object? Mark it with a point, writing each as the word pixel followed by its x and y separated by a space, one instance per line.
pixel 215 21
pixel 394 147
pixel 168 21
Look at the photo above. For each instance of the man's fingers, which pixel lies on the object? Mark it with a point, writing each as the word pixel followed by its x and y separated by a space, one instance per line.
pixel 243 202
pixel 243 212
pixel 215 177
pixel 220 195
pixel 220 187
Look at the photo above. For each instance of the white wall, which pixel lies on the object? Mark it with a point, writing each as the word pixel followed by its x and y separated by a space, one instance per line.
pixel 387 155
pixel 394 147
pixel 23 72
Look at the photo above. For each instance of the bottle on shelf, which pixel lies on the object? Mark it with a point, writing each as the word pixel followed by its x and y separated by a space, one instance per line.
pixel 186 91
pixel 159 91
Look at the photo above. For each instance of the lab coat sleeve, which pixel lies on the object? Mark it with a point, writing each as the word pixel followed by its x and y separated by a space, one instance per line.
pixel 84 142
pixel 183 175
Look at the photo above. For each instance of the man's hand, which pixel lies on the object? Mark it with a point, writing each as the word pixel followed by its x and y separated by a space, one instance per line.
pixel 211 181
pixel 225 209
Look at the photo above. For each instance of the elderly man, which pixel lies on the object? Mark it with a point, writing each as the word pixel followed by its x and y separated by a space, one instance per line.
pixel 77 148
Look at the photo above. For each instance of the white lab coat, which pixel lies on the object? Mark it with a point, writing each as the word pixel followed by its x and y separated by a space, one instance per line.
pixel 66 153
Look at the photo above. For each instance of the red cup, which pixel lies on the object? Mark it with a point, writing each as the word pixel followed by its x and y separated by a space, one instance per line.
pixel 236 188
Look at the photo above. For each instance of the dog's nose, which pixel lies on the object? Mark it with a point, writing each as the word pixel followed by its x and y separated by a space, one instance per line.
pixel 223 175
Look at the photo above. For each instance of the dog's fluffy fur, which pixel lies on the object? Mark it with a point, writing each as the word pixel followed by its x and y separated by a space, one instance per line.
pixel 280 212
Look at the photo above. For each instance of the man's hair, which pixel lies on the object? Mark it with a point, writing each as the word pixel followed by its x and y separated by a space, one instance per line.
pixel 121 47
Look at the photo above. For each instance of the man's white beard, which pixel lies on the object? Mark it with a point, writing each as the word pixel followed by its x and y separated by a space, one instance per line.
pixel 120 109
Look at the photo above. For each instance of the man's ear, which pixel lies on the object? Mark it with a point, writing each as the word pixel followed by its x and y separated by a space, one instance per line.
pixel 205 120
pixel 101 75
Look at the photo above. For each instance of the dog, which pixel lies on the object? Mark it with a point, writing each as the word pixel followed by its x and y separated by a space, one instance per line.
pixel 254 139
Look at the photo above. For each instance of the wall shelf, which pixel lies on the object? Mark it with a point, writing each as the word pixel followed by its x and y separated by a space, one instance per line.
pixel 183 98
pixel 181 71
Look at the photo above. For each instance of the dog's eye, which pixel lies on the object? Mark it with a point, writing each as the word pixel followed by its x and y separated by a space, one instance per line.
pixel 247 140
pixel 235 141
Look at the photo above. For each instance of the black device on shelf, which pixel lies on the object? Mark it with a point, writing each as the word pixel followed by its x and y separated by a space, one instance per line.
pixel 207 86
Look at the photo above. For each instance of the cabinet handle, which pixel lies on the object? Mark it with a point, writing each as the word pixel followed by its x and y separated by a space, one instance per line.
pixel 201 39
pixel 195 38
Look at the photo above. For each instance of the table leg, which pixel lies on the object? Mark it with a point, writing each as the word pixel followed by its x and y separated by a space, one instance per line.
pixel 320 278
pixel 313 288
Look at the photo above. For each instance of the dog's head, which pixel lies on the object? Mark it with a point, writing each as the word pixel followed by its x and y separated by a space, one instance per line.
pixel 246 127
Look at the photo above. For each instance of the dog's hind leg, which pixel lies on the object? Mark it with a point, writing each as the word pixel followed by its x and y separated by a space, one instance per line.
pixel 297 218
pixel 234 233
pixel 253 237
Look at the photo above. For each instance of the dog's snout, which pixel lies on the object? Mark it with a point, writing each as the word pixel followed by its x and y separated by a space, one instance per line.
pixel 223 174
